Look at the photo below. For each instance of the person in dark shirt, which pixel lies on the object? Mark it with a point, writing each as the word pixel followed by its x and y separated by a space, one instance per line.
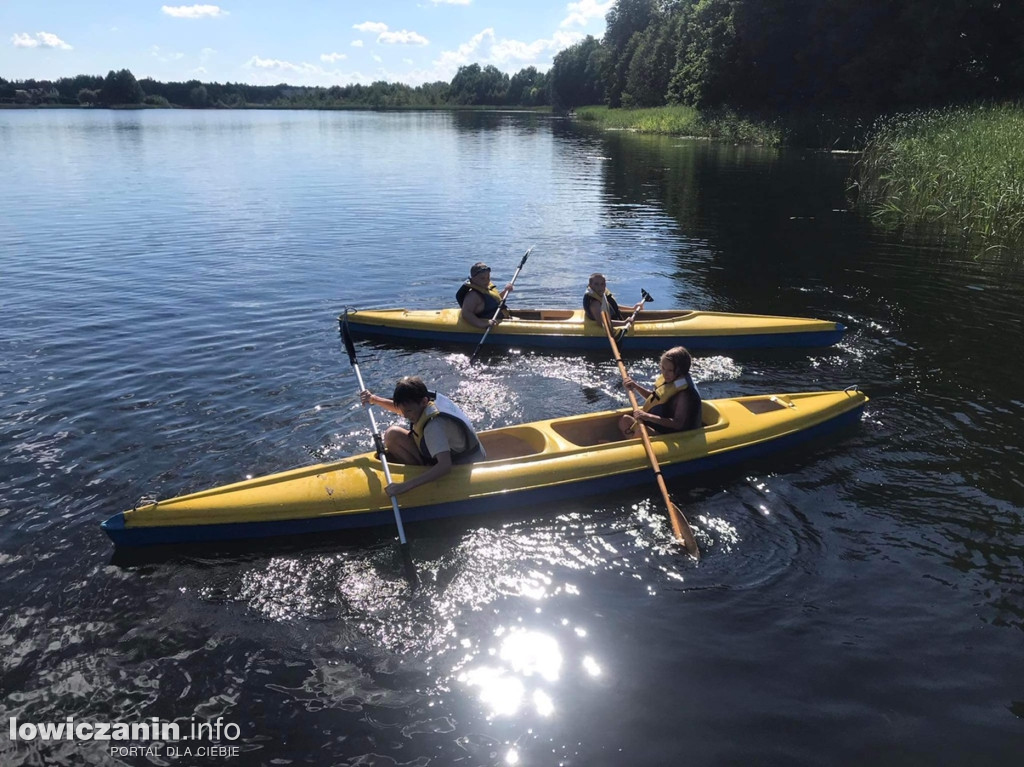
pixel 599 299
pixel 480 299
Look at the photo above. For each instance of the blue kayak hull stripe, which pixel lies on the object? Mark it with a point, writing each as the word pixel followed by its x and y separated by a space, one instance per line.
pixel 653 343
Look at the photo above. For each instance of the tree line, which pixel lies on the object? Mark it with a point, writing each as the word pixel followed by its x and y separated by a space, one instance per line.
pixel 472 85
pixel 779 54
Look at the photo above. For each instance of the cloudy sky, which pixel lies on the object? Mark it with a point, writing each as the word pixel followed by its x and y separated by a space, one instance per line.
pixel 301 42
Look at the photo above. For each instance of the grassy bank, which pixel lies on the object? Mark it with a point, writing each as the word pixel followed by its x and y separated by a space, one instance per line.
pixel 959 168
pixel 684 121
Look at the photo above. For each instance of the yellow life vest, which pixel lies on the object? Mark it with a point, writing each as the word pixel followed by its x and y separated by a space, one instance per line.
pixel 491 296
pixel 609 307
pixel 663 392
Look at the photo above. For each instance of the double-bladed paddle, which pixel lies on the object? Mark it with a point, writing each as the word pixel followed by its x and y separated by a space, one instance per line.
pixel 680 526
pixel 504 294
pixel 646 298
pixel 410 568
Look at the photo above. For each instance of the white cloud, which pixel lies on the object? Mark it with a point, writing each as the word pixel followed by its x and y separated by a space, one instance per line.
pixel 275 71
pixel 451 2
pixel 193 11
pixel 376 27
pixel 390 37
pixel 278 65
pixel 165 57
pixel 486 48
pixel 403 37
pixel 377 58
pixel 357 43
pixel 41 40
pixel 332 57
pixel 581 13
pixel 206 53
pixel 452 60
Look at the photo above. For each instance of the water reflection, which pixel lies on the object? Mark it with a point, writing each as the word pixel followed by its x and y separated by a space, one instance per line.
pixel 504 687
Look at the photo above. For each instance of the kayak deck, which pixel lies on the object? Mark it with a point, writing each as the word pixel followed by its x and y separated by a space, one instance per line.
pixel 528 463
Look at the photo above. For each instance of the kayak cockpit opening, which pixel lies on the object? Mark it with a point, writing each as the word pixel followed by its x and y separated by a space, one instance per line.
pixel 513 442
pixel 595 430
pixel 604 428
pixel 662 315
pixel 542 315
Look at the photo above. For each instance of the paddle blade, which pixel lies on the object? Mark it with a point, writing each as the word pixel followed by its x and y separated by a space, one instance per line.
pixel 347 338
pixel 409 567
pixel 648 298
pixel 525 256
pixel 682 530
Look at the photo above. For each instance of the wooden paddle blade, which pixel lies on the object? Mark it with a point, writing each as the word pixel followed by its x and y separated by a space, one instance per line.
pixel 682 530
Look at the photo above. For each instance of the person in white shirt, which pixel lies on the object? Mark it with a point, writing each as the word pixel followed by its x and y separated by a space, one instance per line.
pixel 440 435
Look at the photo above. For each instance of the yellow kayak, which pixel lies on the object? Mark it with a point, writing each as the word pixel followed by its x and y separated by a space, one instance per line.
pixel 528 464
pixel 566 329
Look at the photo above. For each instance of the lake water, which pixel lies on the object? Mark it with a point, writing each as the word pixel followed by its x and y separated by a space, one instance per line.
pixel 169 287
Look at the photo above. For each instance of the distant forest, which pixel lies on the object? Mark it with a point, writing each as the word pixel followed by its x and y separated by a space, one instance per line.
pixel 763 55
pixel 472 85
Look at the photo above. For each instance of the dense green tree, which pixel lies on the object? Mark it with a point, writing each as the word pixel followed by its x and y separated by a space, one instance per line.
pixel 121 88
pixel 575 78
pixel 650 65
pixel 473 85
pixel 70 87
pixel 625 19
pixel 87 97
pixel 198 96
pixel 706 49
pixel 528 87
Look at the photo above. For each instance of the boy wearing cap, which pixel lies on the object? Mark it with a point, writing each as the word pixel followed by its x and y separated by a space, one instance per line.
pixel 480 299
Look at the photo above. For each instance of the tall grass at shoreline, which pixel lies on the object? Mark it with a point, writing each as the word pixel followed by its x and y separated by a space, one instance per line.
pixel 961 169
pixel 684 121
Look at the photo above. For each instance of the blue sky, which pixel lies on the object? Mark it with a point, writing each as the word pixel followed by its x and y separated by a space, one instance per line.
pixel 300 42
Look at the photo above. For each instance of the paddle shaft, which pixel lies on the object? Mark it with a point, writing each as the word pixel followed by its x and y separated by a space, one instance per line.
pixel 350 348
pixel 504 294
pixel 383 460
pixel 644 298
pixel 680 526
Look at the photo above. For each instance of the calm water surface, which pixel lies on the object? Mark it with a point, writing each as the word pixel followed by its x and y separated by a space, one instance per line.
pixel 169 283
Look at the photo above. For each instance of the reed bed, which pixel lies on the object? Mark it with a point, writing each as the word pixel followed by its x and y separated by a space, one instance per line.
pixel 959 168
pixel 685 121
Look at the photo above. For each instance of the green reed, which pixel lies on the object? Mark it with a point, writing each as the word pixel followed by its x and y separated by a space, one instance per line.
pixel 685 121
pixel 961 169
